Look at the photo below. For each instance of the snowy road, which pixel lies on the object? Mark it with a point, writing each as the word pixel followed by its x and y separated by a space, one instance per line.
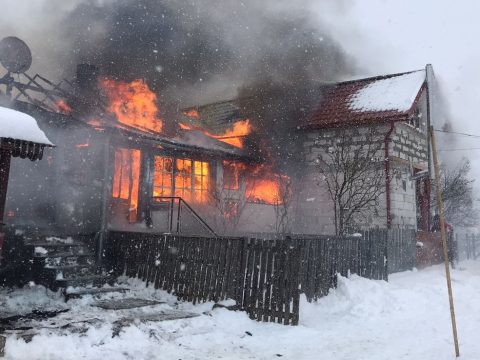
pixel 407 318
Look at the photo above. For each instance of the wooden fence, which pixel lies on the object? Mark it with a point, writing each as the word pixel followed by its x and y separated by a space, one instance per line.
pixel 470 248
pixel 262 276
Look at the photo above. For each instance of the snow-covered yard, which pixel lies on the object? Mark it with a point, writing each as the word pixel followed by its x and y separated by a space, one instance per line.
pixel 407 318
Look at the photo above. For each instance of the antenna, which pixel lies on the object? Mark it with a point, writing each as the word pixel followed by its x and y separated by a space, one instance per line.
pixel 15 55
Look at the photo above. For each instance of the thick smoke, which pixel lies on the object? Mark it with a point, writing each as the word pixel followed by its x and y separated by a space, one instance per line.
pixel 189 52
pixel 273 53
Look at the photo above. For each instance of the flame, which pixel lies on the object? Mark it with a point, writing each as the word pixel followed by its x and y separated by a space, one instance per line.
pixel 133 104
pixel 192 113
pixel 231 174
pixel 265 186
pixel 233 136
pixel 126 178
pixel 97 124
pixel 80 146
pixel 63 107
pixel 185 170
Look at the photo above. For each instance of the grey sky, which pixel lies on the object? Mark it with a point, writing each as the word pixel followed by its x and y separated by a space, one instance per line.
pixel 387 36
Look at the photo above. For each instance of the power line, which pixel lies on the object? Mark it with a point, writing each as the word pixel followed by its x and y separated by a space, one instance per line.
pixel 457 133
pixel 476 148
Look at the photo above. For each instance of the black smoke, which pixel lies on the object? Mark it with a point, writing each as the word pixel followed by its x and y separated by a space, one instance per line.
pixel 191 52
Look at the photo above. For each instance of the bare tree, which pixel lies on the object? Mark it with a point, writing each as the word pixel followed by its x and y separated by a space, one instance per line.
pixel 353 173
pixel 227 209
pixel 282 205
pixel 457 195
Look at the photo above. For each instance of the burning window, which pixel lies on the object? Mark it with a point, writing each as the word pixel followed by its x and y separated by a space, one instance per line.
pixel 231 174
pixel 183 178
pixel 188 179
pixel 270 189
pixel 163 177
pixel 201 181
pixel 126 178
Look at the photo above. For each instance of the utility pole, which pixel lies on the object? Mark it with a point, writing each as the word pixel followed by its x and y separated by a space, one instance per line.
pixel 444 240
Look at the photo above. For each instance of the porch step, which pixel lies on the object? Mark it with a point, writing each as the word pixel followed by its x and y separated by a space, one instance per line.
pixel 69 270
pixel 88 280
pixel 78 293
pixel 63 263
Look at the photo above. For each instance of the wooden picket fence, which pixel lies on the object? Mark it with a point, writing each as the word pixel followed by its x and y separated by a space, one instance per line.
pixel 262 276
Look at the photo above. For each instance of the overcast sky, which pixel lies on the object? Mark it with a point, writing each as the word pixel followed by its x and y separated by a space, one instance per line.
pixel 383 36
pixel 388 36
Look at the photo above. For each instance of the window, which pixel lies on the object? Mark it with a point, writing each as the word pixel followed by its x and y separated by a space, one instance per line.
pixel 126 178
pixel 201 181
pixel 163 177
pixel 415 119
pixel 183 178
pixel 231 172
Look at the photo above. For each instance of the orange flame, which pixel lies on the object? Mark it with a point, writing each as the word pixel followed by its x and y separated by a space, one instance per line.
pixel 192 113
pixel 80 146
pixel 126 178
pixel 63 107
pixel 133 104
pixel 233 136
pixel 265 186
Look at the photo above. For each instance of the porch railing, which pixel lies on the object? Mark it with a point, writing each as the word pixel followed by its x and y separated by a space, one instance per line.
pixel 175 226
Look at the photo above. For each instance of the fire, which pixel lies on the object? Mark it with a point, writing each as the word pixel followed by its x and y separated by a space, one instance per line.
pixel 97 124
pixel 265 186
pixel 134 104
pixel 231 174
pixel 81 146
pixel 126 178
pixel 233 136
pixel 63 107
pixel 192 113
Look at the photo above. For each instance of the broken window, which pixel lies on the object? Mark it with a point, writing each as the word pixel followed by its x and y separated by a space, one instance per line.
pixel 231 170
pixel 162 178
pixel 126 178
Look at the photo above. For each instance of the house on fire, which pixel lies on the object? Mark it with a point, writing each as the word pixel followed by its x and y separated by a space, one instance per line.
pixel 119 167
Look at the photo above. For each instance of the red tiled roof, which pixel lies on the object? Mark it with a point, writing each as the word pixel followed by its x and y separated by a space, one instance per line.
pixel 358 102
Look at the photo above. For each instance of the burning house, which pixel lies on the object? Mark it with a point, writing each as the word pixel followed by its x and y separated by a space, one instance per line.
pixel 249 165
pixel 119 165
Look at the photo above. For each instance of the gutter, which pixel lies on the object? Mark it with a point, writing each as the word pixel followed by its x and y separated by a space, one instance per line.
pixel 387 174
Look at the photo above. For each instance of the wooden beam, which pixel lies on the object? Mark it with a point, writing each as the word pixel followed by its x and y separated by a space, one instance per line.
pixel 444 239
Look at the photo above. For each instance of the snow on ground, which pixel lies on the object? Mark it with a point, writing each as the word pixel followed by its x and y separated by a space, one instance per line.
pixel 407 318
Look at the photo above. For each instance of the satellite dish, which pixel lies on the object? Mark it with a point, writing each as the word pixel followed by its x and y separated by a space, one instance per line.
pixel 15 56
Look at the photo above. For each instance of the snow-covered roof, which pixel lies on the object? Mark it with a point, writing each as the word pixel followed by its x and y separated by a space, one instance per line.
pixel 365 101
pixel 394 93
pixel 20 126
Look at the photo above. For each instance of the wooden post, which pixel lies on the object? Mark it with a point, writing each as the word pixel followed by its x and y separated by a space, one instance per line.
pixel 444 240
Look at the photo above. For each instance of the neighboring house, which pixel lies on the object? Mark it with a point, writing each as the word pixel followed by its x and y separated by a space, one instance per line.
pixel 397 108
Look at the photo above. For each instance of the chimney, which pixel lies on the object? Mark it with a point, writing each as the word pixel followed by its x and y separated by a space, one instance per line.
pixel 87 76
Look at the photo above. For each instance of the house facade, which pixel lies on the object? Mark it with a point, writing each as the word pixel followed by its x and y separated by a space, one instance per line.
pixel 396 109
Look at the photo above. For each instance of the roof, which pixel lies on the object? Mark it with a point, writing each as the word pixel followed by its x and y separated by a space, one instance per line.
pixel 20 135
pixel 218 116
pixel 17 125
pixel 363 101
